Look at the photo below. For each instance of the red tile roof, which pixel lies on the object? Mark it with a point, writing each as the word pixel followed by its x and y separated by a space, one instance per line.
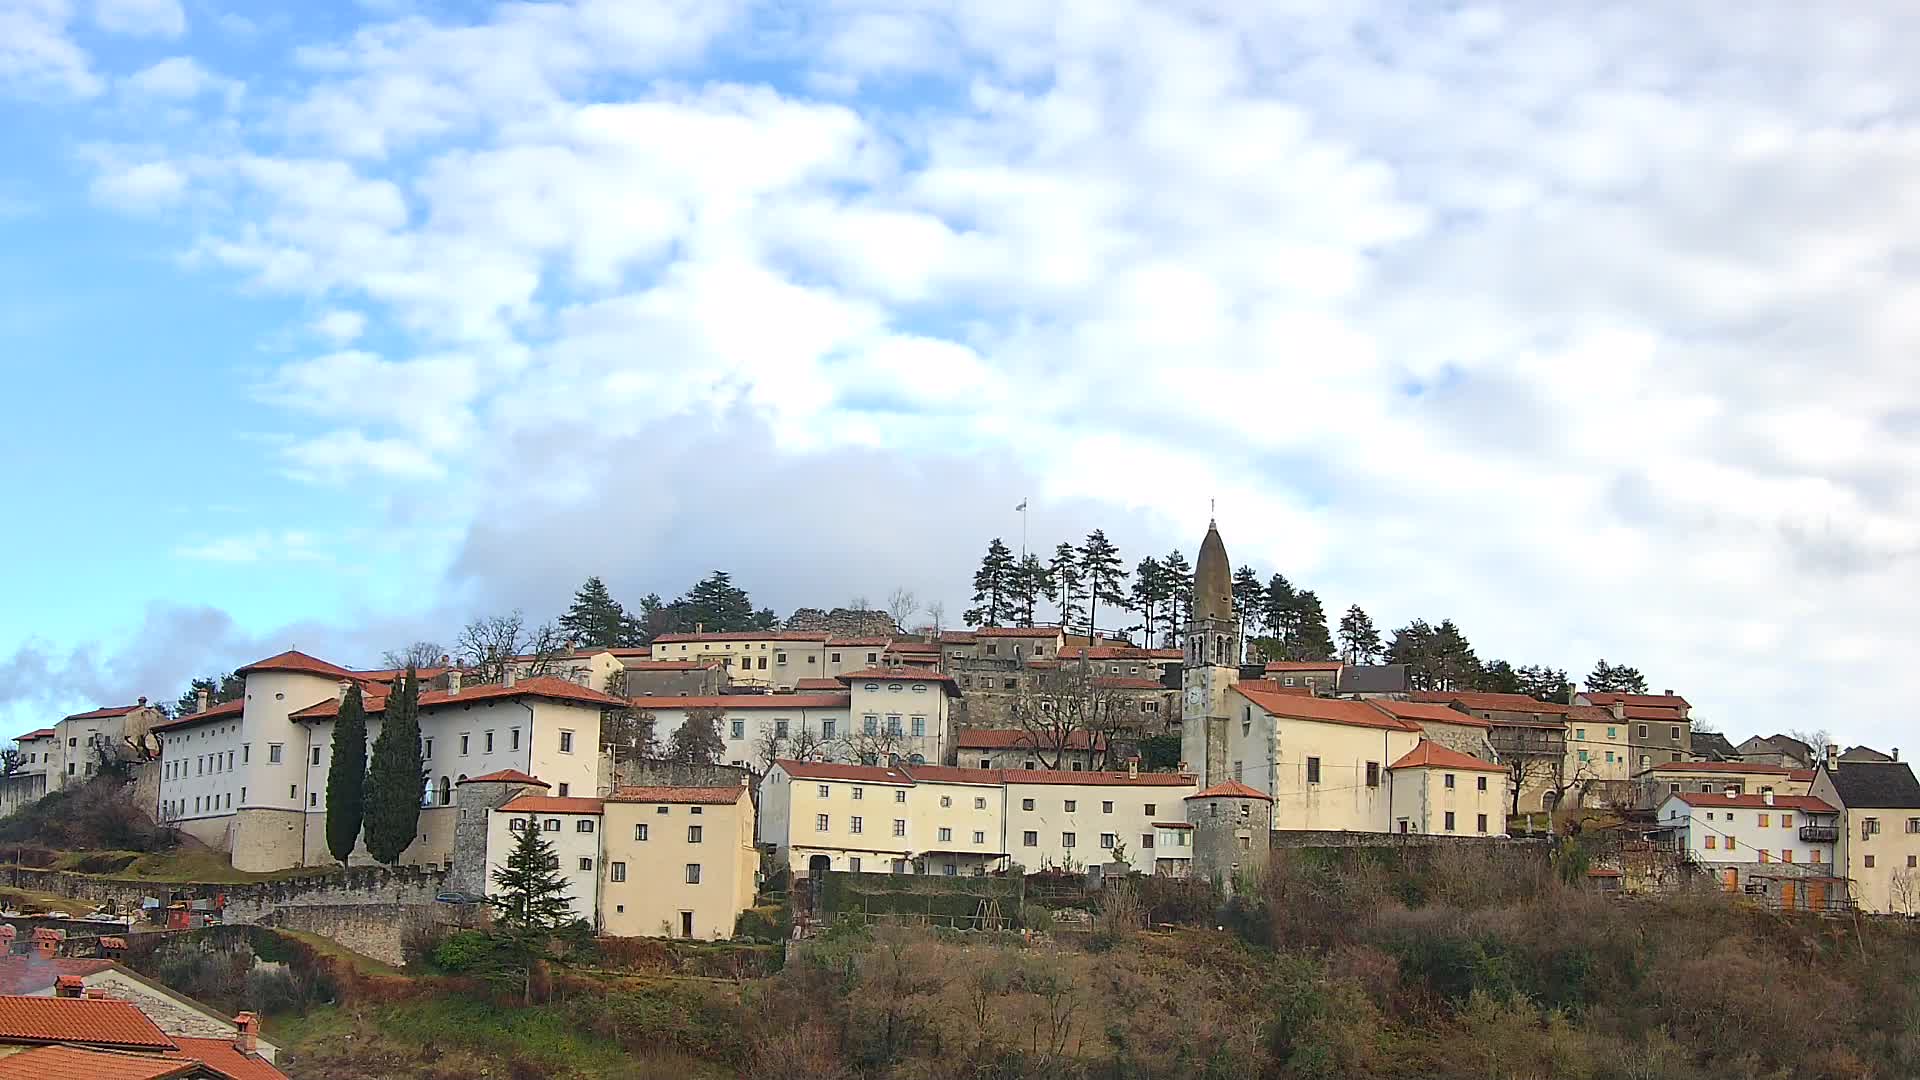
pixel 914 646
pixel 952 775
pixel 706 796
pixel 223 1056
pixel 827 684
pixel 1304 665
pixel 1125 682
pixel 93 1021
pixel 1668 701
pixel 1652 712
pixel 540 686
pixel 107 713
pixel 553 804
pixel 1230 789
pixel 78 1063
pixel 1016 631
pixel 1804 776
pixel 43 733
pixel 1116 652
pixel 1016 738
pixel 1759 767
pixel 1805 803
pixel 1103 779
pixel 744 635
pixel 296 661
pixel 28 975
pixel 1325 710
pixel 830 770
pixel 225 710
pixel 1417 711
pixel 956 637
pixel 1492 702
pixel 907 673
pixel 506 776
pixel 1431 755
pixel 667 665
pixel 739 702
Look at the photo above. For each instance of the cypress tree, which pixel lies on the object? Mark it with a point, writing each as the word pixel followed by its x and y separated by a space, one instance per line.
pixel 347 776
pixel 397 778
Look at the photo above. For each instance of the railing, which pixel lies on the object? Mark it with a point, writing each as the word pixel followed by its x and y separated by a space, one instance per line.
pixel 1820 834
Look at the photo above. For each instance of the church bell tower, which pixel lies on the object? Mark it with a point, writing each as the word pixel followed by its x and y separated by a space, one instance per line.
pixel 1212 663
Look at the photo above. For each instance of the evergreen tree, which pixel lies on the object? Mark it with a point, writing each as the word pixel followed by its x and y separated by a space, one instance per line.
pixel 1151 594
pixel 529 898
pixel 1249 601
pixel 697 740
pixel 1308 638
pixel 1180 595
pixel 596 619
pixel 1064 572
pixel 1031 584
pixel 396 781
pixel 1278 606
pixel 347 776
pixel 219 688
pixel 1616 679
pixel 1455 665
pixel 720 606
pixel 993 587
pixel 1105 576
pixel 1545 683
pixel 1359 641
pixel 1499 677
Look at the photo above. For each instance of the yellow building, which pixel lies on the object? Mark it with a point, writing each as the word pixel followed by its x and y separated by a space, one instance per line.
pixel 1323 761
pixel 677 862
pixel 1878 841
pixel 775 658
pixel 1446 793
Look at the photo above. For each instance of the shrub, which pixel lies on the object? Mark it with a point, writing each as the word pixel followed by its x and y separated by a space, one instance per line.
pixel 773 923
pixel 467 952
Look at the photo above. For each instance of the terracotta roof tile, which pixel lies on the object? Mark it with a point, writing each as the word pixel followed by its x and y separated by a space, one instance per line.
pixel 1102 779
pixel 93 1021
pixel 553 804
pixel 1492 702
pixel 506 776
pixel 222 1055
pixel 540 686
pixel 1756 801
pixel 1759 767
pixel 706 796
pixel 43 733
pixel 950 774
pixel 1654 712
pixel 743 702
pixel 1417 711
pixel 225 710
pixel 801 686
pixel 869 642
pixel 78 1063
pixel 1668 701
pixel 1230 789
pixel 296 661
pixel 1016 631
pixel 1431 755
pixel 908 673
pixel 829 770
pixel 1326 710
pixel 107 713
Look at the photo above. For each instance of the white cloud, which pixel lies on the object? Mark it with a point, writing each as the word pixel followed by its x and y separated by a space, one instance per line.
pixel 263 545
pixel 146 186
pixel 340 325
pixel 36 55
pixel 179 78
pixel 151 18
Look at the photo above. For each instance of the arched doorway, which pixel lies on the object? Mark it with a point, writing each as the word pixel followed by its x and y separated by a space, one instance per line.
pixel 819 865
pixel 446 791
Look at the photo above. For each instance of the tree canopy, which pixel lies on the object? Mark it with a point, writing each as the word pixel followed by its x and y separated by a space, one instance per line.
pixel 347 776
pixel 1615 679
pixel 596 619
pixel 396 780
pixel 993 587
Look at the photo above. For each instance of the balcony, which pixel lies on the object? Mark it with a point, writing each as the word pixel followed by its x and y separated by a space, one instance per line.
pixel 1819 834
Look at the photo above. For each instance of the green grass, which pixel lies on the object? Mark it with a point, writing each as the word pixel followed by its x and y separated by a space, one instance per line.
pixel 333 950
pixel 30 901
pixel 179 867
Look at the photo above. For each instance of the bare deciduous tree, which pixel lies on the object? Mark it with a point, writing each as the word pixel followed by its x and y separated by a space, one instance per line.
pixel 936 618
pixel 883 745
pixel 901 604
pixel 11 760
pixel 420 654
pixel 1067 710
pixel 487 646
pixel 1903 892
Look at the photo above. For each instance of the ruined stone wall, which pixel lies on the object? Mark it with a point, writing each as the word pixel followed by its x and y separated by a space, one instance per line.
pixel 376 930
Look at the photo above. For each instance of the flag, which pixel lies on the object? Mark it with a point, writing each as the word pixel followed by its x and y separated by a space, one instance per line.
pixel 1022 508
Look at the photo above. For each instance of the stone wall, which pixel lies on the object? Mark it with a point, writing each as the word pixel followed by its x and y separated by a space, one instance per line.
pixel 376 930
pixel 1329 838
pixel 361 885
pixel 476 803
pixel 649 773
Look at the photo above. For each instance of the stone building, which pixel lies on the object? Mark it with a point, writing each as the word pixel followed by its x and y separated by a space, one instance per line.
pixel 1229 833
pixel 1529 735
pixel 1213 646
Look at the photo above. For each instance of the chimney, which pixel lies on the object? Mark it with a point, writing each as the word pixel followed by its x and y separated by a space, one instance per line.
pixel 1833 754
pixel 1896 753
pixel 69 986
pixel 143 701
pixel 1619 710
pixel 1133 768
pixel 1767 796
pixel 246 1032
pixel 1669 693
pixel 97 993
pixel 45 945
pixel 453 681
pixel 699 628
pixel 508 678
pixel 200 701
pixel 445 660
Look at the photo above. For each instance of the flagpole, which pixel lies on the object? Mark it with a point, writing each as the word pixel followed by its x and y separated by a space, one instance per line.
pixel 1023 528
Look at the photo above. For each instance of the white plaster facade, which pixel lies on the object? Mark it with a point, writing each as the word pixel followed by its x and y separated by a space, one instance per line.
pixel 572 827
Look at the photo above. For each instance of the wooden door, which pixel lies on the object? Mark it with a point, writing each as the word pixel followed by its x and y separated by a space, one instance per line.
pixel 1787 896
pixel 1730 879
pixel 1817 895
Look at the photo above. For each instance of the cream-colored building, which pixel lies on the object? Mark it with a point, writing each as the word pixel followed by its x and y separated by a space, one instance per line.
pixel 749 721
pixel 1443 792
pixel 1076 819
pixel 770 658
pixel 1597 745
pixel 904 712
pixel 1878 841
pixel 1323 761
pixel 571 826
pixel 822 816
pixel 70 751
pixel 1651 787
pixel 678 862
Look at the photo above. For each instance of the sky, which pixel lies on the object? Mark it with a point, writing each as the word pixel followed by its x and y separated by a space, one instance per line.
pixel 1589 326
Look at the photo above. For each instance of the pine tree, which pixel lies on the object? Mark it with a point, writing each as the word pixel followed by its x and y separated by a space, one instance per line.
pixel 1105 576
pixel 1359 641
pixel 697 740
pixel 993 587
pixel 396 781
pixel 1499 677
pixel 1249 601
pixel 716 604
pixel 1279 612
pixel 1545 683
pixel 1412 645
pixel 596 619
pixel 1064 572
pixel 1456 667
pixel 1031 584
pixel 1180 604
pixel 1150 594
pixel 1309 639
pixel 347 776
pixel 529 898
pixel 1616 679
pixel 219 688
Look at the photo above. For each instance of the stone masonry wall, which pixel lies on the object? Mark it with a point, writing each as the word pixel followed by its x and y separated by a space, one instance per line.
pixel 361 885
pixel 376 930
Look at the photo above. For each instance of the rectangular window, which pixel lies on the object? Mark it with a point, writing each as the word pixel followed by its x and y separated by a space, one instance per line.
pixel 1482 784
pixel 584 825
pixel 1868 860
pixel 694 834
pixel 1236 771
pixel 870 725
pixel 1674 734
pixel 853 863
pixel 1449 821
pixel 1030 839
pixel 780 729
pixel 1026 804
pixel 825 791
pixel 899 826
pixel 1066 839
pixel 513 738
pixel 1106 807
pixel 246 752
pixel 466 745
pixel 899 796
pixel 979 803
pixel 1480 822
pixel 552 825
pixel 946 835
pixel 819 823
pixel 827 729
pixel 617 871
pixel 486 741
pixel 273 753
pixel 1580 734
pixel 857 825
pixel 1108 840
pixel 563 788
pixel 586 863
pixel 1643 732
pixel 979 837
pixel 1373 774
pixel 1786 854
pixel 1764 820
pixel 316 755
pixel 313 798
pixel 640 831
pixel 1447 781
pixel 1786 821
pixel 426 748
pixel 1146 841
pixel 893 724
pixel 1313 770
pixel 566 742
pixel 738 728
pixel 859 794
pixel 919 727
pixel 763 663
pixel 1731 843
pixel 946 800
pixel 693 873
pixel 1072 805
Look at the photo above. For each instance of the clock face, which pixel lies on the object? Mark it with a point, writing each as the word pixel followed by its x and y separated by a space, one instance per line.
pixel 1196 698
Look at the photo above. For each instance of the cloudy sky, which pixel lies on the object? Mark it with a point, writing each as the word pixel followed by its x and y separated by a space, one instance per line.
pixel 1589 326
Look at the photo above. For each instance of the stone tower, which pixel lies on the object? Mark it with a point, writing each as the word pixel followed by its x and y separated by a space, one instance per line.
pixel 1212 662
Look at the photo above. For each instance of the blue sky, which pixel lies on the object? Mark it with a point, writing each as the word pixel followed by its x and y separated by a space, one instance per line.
pixel 338 326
